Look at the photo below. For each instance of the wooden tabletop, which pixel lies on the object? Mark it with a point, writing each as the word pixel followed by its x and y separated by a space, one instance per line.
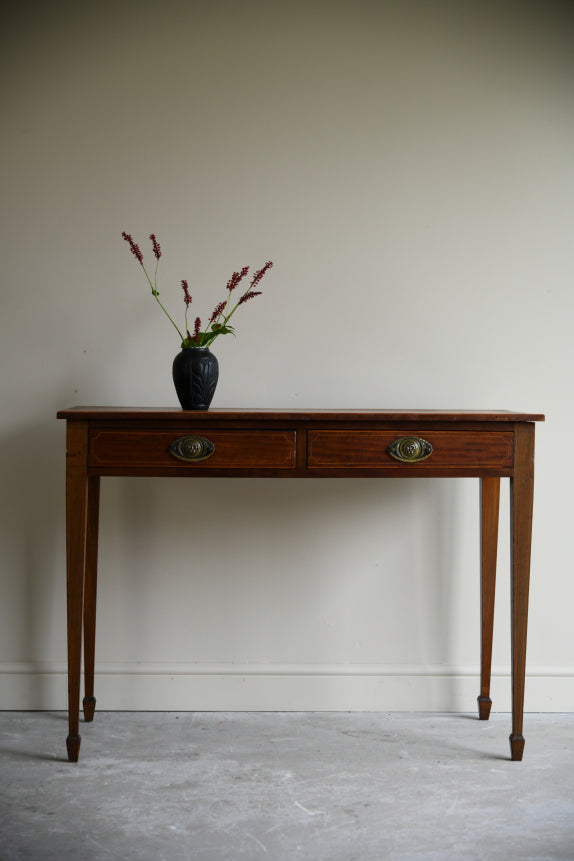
pixel 176 414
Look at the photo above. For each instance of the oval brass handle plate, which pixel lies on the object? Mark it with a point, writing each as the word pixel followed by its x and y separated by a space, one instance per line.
pixel 410 449
pixel 192 448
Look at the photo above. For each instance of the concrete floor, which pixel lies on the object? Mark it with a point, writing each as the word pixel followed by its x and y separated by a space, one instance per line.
pixel 324 787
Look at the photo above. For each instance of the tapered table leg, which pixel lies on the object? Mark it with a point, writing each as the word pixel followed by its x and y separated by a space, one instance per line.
pixel 490 502
pixel 76 522
pixel 521 500
pixel 90 594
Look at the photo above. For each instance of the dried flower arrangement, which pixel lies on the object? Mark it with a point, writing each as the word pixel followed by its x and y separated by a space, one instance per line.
pixel 218 323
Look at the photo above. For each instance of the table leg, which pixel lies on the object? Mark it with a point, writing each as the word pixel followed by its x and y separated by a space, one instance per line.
pixel 490 499
pixel 76 523
pixel 521 501
pixel 90 593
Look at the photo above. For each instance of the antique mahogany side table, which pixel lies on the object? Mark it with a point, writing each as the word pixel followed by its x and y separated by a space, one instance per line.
pixel 112 441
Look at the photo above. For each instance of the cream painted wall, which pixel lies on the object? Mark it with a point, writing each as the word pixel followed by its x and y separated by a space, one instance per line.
pixel 409 168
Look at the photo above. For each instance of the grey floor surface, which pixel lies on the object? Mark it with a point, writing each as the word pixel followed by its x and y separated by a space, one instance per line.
pixel 336 786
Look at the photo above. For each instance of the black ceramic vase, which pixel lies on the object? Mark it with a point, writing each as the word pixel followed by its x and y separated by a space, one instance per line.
pixel 195 375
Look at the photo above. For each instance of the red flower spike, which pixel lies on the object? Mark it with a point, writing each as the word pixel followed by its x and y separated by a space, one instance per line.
pixel 187 297
pixel 196 329
pixel 236 278
pixel 135 249
pixel 251 295
pixel 219 308
pixel 259 275
pixel 156 248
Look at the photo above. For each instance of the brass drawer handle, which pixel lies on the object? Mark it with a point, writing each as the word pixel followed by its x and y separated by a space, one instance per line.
pixel 192 448
pixel 410 449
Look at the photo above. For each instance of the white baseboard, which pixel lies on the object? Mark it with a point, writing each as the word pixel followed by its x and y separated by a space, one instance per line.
pixel 283 687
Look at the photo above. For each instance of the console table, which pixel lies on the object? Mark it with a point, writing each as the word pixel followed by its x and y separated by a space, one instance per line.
pixel 111 441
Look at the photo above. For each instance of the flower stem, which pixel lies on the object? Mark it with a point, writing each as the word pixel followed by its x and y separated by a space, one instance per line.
pixel 235 307
pixel 155 294
pixel 176 327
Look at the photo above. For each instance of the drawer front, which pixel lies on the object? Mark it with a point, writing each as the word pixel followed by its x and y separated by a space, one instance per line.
pixel 369 449
pixel 239 449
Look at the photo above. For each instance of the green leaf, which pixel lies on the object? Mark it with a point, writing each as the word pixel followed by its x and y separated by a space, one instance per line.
pixel 205 339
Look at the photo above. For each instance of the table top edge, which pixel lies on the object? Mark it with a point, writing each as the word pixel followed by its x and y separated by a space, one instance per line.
pixel 101 413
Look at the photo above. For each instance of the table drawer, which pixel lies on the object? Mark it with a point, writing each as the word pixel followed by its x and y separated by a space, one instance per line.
pixel 369 449
pixel 233 449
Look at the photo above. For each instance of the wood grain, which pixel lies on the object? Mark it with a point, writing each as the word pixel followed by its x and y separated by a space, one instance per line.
pixel 90 595
pixel 490 503
pixel 76 529
pixel 145 414
pixel 241 448
pixel 364 448
pixel 521 501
